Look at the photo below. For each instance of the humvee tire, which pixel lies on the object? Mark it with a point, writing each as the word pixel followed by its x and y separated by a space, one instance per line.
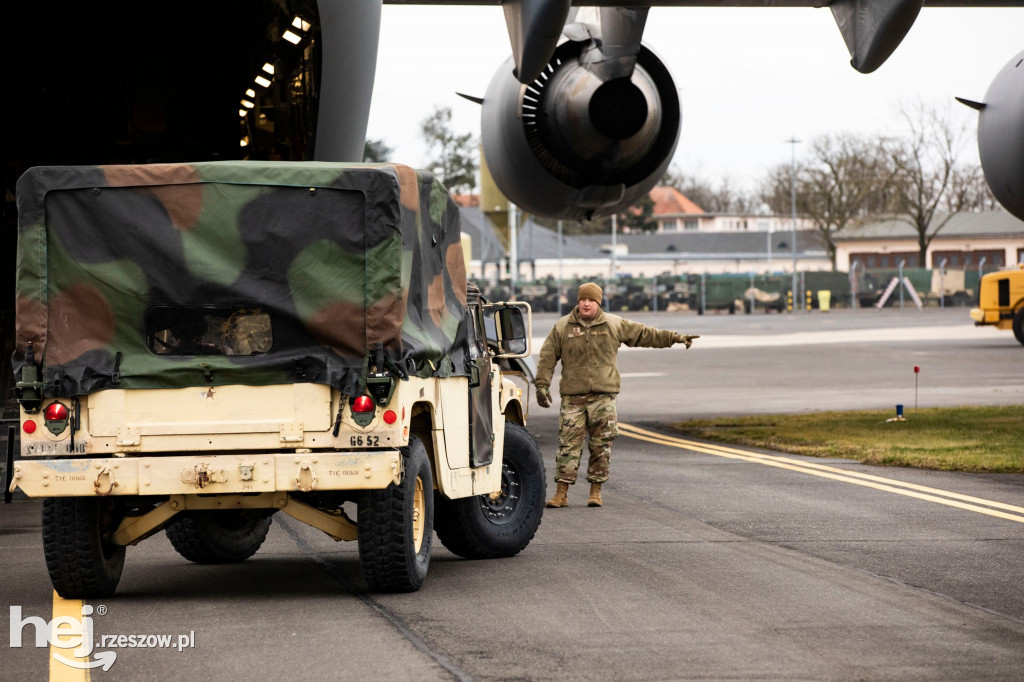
pixel 396 526
pixel 1018 325
pixel 483 527
pixel 82 561
pixel 218 537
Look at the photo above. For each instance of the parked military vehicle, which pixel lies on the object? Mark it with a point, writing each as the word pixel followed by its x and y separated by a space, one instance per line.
pixel 202 346
pixel 1001 301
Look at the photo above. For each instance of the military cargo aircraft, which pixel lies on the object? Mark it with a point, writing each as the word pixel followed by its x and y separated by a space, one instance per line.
pixel 583 119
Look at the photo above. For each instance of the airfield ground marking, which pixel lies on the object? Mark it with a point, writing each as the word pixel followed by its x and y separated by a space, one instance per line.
pixel 59 672
pixel 945 497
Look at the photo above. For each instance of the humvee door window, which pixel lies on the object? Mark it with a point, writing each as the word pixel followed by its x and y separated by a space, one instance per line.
pixel 208 330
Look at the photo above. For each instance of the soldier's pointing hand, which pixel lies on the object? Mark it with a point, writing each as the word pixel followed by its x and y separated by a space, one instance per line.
pixel 686 339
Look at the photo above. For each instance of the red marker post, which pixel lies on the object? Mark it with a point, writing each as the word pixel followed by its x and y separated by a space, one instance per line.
pixel 917 370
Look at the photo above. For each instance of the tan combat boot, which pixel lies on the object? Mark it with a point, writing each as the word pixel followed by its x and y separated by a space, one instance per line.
pixel 595 495
pixel 560 499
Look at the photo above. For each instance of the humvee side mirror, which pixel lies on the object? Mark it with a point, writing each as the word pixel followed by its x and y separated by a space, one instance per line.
pixel 511 328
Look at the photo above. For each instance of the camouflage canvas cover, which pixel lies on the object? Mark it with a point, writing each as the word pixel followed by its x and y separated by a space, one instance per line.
pixel 241 272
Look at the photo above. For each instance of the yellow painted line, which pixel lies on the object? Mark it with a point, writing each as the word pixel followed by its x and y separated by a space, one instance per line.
pixel 944 497
pixel 822 467
pixel 60 672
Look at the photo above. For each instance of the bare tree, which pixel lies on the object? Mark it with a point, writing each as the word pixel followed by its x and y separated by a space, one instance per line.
pixel 723 198
pixel 834 188
pixel 453 159
pixel 929 186
pixel 969 190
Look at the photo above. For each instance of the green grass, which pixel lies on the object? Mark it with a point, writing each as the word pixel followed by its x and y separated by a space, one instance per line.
pixel 976 439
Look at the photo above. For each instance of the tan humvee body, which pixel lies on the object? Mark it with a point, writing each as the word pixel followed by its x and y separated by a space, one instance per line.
pixel 234 441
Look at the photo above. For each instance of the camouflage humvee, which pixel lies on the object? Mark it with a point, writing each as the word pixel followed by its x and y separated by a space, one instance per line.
pixel 202 346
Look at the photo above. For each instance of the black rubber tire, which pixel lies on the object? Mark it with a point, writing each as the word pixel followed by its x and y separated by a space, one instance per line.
pixel 1018 325
pixel 387 543
pixel 483 528
pixel 82 561
pixel 218 537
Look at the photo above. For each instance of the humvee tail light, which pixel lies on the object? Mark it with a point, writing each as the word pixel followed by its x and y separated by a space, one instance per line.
pixel 55 412
pixel 363 403
pixel 390 417
pixel 29 426
pixel 56 417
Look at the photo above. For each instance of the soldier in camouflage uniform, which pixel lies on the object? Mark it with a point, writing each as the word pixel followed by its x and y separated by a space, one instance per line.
pixel 587 342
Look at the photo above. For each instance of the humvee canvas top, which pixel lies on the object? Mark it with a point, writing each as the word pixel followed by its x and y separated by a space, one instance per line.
pixel 240 272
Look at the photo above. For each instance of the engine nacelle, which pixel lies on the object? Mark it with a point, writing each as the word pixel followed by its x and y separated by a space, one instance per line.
pixel 572 146
pixel 1001 136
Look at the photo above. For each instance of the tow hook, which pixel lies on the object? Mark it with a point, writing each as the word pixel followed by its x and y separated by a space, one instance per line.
pixel 104 488
pixel 305 478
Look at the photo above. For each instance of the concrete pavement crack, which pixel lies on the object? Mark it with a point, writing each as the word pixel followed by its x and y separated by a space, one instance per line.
pixel 286 524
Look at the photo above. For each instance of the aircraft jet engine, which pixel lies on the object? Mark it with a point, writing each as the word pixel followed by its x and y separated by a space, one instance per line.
pixel 1001 135
pixel 591 135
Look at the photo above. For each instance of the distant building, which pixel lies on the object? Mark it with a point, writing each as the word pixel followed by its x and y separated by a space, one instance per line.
pixel 467 200
pixel 995 236
pixel 641 255
pixel 674 212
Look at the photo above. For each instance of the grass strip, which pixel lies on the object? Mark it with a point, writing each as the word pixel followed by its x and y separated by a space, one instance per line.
pixel 974 439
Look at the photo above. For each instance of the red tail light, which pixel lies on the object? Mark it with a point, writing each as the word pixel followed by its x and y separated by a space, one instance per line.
pixel 390 417
pixel 363 403
pixel 55 412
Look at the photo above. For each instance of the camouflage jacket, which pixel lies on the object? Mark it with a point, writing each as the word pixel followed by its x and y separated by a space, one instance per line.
pixel 588 351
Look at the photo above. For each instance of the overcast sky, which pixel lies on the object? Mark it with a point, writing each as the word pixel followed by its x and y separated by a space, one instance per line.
pixel 748 78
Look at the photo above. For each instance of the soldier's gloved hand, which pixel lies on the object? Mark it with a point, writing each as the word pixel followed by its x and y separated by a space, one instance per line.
pixel 685 339
pixel 543 397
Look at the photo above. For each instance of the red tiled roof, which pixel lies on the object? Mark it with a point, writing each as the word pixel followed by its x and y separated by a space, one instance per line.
pixel 467 200
pixel 669 200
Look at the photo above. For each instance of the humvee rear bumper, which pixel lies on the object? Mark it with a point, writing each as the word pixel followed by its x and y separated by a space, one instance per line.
pixel 210 474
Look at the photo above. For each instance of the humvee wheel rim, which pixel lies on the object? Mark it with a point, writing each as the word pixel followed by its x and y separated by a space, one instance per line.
pixel 501 507
pixel 419 512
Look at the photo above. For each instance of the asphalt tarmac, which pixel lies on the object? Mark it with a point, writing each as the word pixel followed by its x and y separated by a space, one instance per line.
pixel 705 562
pixel 838 360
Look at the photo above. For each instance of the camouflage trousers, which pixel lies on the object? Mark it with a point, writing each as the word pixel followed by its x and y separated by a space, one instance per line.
pixel 590 414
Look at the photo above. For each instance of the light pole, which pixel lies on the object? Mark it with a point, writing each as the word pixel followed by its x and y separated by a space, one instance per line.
pixel 513 250
pixel 559 295
pixel 615 248
pixel 792 197
pixel 942 282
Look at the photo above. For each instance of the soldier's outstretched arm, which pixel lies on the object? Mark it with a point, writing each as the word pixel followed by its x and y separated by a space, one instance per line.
pixel 637 334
